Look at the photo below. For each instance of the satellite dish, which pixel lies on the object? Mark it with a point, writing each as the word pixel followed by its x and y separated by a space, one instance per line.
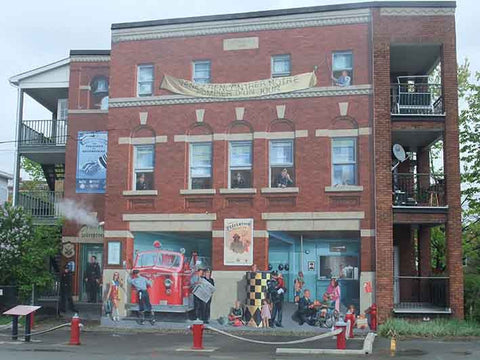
pixel 399 152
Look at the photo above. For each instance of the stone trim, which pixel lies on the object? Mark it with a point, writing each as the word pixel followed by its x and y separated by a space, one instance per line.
pixel 243 136
pixel 343 132
pixel 198 191
pixel 170 217
pixel 140 192
pixel 367 232
pixel 233 137
pixel 335 215
pixel 313 225
pixel 243 25
pixel 192 138
pixel 142 140
pixel 256 233
pixel 344 188
pixel 87 111
pixel 117 234
pixel 277 190
pixel 182 99
pixel 238 191
pixel 90 58
pixel 85 87
pixel 417 11
pixel 79 240
pixel 245 43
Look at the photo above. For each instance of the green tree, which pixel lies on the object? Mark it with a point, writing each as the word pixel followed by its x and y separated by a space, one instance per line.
pixel 33 169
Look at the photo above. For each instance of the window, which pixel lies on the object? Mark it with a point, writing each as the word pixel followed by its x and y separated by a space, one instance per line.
pixel 281 163
pixel 201 72
pixel 201 166
pixel 280 65
pixel 344 161
pixel 144 164
pixel 100 86
pixel 145 80
pixel 240 164
pixel 342 69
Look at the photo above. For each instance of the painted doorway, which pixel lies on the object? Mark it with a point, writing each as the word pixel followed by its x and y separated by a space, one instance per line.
pixel 87 251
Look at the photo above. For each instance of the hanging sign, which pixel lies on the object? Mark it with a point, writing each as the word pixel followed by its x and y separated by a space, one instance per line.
pixel 240 90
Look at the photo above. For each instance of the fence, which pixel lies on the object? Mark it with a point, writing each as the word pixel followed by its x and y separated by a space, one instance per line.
pixel 411 189
pixel 41 204
pixel 43 132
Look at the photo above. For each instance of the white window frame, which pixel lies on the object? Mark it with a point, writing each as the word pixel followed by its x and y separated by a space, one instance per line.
pixel 279 165
pixel 190 162
pixel 281 57
pixel 145 66
pixel 143 170
pixel 230 168
pixel 348 69
pixel 200 62
pixel 354 162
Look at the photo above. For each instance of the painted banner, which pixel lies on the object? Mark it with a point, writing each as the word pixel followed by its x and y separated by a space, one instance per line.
pixel 240 90
pixel 91 161
pixel 238 242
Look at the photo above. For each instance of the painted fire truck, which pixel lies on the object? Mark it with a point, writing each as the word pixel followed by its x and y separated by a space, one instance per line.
pixel 170 273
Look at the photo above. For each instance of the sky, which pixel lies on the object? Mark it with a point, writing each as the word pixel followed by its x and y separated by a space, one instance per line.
pixel 35 33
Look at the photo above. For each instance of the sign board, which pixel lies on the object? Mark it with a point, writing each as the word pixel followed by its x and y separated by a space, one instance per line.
pixel 238 242
pixel 91 161
pixel 204 290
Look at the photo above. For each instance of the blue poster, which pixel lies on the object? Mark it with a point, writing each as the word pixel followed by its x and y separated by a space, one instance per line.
pixel 92 161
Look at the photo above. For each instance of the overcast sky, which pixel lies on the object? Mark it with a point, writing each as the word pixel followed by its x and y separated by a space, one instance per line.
pixel 34 33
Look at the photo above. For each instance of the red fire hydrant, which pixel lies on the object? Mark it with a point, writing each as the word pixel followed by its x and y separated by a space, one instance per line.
pixel 341 341
pixel 350 317
pixel 373 317
pixel 197 330
pixel 75 330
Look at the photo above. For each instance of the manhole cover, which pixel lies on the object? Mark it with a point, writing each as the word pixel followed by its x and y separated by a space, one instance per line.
pixel 410 352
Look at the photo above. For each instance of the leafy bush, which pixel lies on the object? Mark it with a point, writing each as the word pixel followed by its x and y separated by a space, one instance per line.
pixel 472 297
pixel 434 328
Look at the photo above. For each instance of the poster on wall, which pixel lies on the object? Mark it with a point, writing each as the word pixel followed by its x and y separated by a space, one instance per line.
pixel 91 161
pixel 238 242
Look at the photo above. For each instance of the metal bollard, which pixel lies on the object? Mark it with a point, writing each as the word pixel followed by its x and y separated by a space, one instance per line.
pixel 197 330
pixel 350 317
pixel 341 341
pixel 75 330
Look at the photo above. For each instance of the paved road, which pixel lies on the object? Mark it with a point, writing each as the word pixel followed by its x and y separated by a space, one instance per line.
pixel 139 346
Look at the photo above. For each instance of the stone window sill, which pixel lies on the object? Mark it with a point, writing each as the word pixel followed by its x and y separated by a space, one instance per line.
pixel 140 192
pixel 344 188
pixel 287 190
pixel 198 191
pixel 238 191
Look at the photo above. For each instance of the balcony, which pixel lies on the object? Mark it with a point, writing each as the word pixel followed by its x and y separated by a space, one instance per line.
pixel 421 295
pixel 416 97
pixel 42 205
pixel 425 190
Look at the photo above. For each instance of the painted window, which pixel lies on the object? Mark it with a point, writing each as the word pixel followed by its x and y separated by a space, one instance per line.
pixel 201 71
pixel 240 164
pixel 144 165
pixel 145 80
pixel 280 65
pixel 342 68
pixel 344 161
pixel 282 169
pixel 201 165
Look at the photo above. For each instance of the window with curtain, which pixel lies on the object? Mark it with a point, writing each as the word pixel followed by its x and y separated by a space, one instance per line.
pixel 282 169
pixel 144 166
pixel 145 80
pixel 342 68
pixel 280 65
pixel 201 165
pixel 201 71
pixel 240 164
pixel 344 161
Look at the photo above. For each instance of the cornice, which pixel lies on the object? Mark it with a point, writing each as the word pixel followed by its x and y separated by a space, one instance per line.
pixel 182 99
pixel 90 58
pixel 242 25
pixel 418 11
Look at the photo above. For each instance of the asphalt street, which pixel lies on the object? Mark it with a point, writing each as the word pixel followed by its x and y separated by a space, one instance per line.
pixel 143 345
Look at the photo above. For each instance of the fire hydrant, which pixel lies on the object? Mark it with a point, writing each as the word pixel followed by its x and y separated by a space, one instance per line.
pixel 341 341
pixel 75 330
pixel 373 317
pixel 350 317
pixel 197 330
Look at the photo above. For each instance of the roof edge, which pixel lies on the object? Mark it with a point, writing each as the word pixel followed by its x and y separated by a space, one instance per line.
pixel 283 12
pixel 101 52
pixel 16 78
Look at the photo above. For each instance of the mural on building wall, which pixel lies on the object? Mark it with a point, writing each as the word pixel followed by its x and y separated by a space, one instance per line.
pixel 238 242
pixel 91 161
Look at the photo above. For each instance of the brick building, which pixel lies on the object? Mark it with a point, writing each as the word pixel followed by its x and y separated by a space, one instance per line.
pixel 186 159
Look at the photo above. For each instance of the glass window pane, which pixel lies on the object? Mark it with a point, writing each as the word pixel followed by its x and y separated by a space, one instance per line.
pixel 343 151
pixel 144 180
pixel 240 154
pixel 282 178
pixel 344 175
pixel 281 152
pixel 145 73
pixel 200 171
pixel 342 61
pixel 201 155
pixel 144 157
pixel 240 179
pixel 145 88
pixel 281 65
pixel 201 72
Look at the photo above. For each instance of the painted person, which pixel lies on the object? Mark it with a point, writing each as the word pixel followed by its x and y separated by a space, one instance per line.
pixel 333 293
pixel 206 311
pixel 198 304
pixel 299 283
pixel 306 312
pixel 342 80
pixel 284 180
pixel 235 317
pixel 92 278
pixel 113 295
pixel 66 300
pixel 142 284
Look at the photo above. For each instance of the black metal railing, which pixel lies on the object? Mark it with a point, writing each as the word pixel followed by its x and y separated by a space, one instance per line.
pixel 41 204
pixel 43 132
pixel 416 99
pixel 432 290
pixel 411 189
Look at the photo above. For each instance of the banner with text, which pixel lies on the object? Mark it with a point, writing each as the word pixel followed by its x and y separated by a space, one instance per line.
pixel 238 242
pixel 240 90
pixel 91 161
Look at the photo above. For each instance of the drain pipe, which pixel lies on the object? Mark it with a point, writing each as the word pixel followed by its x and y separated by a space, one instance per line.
pixel 301 252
